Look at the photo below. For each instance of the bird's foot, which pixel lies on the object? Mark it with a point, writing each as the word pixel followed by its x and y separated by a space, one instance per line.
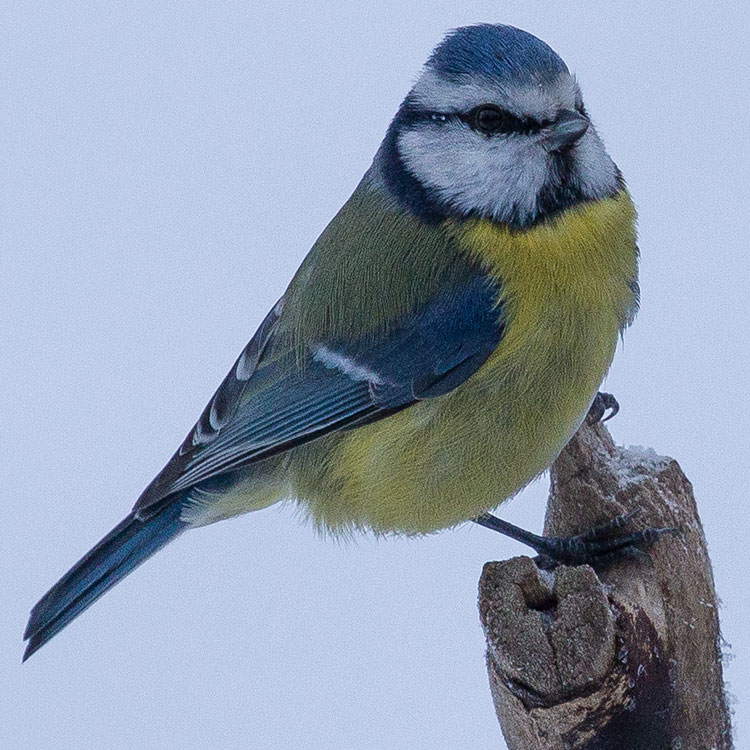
pixel 602 403
pixel 597 547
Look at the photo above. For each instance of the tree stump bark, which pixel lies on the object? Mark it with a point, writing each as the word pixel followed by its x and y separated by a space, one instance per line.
pixel 624 657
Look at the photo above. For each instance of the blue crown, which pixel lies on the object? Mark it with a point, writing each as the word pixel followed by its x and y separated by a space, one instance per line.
pixel 496 51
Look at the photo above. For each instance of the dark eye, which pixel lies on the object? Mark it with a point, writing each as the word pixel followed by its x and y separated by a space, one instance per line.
pixel 490 119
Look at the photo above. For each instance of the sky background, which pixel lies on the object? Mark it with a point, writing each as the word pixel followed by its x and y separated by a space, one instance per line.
pixel 166 168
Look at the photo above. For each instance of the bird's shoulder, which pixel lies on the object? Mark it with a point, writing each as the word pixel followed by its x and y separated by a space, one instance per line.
pixel 374 264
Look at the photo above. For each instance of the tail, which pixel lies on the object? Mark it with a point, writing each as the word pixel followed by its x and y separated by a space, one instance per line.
pixel 119 553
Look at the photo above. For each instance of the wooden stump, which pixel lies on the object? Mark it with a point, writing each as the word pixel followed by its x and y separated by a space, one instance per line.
pixel 624 657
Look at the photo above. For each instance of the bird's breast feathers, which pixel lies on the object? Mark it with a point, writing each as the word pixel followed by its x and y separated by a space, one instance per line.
pixel 567 289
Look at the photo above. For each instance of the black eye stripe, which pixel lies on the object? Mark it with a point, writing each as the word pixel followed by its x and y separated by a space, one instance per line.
pixel 490 120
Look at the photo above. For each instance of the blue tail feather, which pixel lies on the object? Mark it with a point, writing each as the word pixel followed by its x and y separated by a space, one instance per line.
pixel 129 544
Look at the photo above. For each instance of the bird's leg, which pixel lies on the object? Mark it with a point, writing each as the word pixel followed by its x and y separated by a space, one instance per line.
pixel 600 545
pixel 602 403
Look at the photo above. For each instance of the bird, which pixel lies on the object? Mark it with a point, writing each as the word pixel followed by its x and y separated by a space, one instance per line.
pixel 441 342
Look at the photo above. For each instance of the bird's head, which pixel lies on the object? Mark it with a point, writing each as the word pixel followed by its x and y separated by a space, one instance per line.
pixel 495 127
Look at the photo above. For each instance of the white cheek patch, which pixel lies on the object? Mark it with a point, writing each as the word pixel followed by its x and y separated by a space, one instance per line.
pixel 346 365
pixel 503 176
pixel 498 177
pixel 595 170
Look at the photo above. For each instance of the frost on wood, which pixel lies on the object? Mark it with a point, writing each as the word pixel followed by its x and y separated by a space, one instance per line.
pixel 624 657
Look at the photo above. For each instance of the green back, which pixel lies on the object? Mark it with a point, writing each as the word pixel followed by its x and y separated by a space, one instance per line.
pixel 371 265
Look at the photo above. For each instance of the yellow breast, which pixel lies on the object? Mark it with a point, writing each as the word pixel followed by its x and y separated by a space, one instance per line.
pixel 568 289
pixel 584 260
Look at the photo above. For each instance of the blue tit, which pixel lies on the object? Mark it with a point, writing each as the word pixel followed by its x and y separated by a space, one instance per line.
pixel 440 343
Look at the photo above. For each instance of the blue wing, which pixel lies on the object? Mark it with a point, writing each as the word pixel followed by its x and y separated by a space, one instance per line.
pixel 271 402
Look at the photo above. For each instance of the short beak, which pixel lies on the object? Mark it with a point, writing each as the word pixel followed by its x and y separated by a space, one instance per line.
pixel 566 130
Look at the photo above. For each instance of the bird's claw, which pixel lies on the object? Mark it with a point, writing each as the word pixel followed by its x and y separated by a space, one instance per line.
pixel 599 546
pixel 602 403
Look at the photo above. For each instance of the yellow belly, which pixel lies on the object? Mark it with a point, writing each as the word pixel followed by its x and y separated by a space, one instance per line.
pixel 568 291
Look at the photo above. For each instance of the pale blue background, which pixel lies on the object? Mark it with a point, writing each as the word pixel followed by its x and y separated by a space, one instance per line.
pixel 165 167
